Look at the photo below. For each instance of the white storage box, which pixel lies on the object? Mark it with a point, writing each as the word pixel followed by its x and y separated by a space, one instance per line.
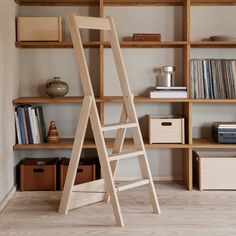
pixel 166 129
pixel 216 170
pixel 39 29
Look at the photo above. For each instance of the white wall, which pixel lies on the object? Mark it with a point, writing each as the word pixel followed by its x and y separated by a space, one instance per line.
pixel 37 65
pixel 9 84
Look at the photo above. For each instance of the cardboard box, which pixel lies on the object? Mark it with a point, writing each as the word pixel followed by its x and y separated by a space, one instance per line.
pixel 215 170
pixel 166 129
pixel 40 29
pixel 38 174
pixel 85 173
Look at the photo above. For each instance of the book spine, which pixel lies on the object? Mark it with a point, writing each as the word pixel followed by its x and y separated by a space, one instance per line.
pixel 19 113
pixel 192 80
pixel 39 124
pixel 28 125
pixel 205 79
pixel 17 129
pixel 36 128
pixel 32 124
pixel 209 72
pixel 24 125
pixel 42 124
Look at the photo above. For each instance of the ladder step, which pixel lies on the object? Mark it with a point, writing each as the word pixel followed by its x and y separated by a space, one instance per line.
pixel 116 126
pixel 134 184
pixel 123 155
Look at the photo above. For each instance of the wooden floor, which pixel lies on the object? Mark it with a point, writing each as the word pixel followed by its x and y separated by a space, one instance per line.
pixel 183 213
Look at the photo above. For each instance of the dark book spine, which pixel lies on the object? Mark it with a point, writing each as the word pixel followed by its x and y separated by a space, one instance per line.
pixel 22 132
pixel 42 124
pixel 28 125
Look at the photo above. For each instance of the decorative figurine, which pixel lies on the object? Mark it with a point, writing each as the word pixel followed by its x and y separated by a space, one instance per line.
pixel 52 133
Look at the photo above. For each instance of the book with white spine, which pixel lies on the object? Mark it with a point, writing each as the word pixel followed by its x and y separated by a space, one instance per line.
pixel 36 126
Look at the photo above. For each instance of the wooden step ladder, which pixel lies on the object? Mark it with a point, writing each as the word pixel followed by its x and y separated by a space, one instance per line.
pixel 105 189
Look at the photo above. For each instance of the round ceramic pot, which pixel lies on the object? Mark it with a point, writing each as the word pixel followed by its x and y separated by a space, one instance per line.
pixel 57 88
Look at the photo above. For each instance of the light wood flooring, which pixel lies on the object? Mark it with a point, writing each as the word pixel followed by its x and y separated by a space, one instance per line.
pixel 183 213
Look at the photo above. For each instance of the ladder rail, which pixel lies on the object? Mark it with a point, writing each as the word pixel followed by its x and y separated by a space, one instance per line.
pixel 94 119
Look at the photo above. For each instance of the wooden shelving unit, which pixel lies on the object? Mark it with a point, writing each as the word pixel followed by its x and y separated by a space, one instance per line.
pixel 185 44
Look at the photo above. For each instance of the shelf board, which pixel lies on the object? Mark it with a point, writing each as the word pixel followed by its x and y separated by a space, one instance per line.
pixel 64 44
pixel 115 99
pixel 212 2
pixel 58 2
pixel 121 2
pixel 142 99
pixel 209 143
pixel 197 100
pixel 67 143
pixel 42 100
pixel 148 44
pixel 96 44
pixel 213 44
pixel 96 2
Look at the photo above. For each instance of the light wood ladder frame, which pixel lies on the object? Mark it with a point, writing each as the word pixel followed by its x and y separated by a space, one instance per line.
pixel 103 189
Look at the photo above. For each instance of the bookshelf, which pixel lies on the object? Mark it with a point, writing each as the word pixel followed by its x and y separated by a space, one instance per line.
pixel 185 44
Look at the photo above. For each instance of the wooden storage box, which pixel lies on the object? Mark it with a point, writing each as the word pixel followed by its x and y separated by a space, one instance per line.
pixel 40 29
pixel 215 170
pixel 166 129
pixel 85 173
pixel 38 174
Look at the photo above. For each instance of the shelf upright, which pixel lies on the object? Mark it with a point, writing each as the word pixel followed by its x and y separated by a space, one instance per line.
pixel 187 107
pixel 101 55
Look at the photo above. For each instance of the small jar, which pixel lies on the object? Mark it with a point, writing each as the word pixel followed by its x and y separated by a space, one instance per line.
pixel 57 88
pixel 168 76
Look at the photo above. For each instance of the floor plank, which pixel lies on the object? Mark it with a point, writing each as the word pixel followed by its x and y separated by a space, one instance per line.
pixel 183 213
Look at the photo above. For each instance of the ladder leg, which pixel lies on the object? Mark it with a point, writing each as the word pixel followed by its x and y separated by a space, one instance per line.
pixel 75 155
pixel 145 169
pixel 105 165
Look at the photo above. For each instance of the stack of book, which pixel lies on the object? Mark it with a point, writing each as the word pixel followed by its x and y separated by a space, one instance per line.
pixel 169 92
pixel 30 126
pixel 224 132
pixel 213 78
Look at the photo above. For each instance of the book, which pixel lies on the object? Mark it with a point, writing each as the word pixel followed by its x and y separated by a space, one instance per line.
pixel 42 124
pixel 35 125
pixel 28 124
pixel 174 88
pixel 22 132
pixel 168 94
pixel 17 129
pixel 146 37
pixel 213 78
pixel 24 125
pixel 32 124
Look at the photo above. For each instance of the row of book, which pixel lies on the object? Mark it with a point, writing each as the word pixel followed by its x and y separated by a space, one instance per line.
pixel 30 126
pixel 213 78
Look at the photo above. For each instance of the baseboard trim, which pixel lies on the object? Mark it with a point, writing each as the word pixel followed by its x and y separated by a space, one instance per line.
pixel 155 178
pixel 8 197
